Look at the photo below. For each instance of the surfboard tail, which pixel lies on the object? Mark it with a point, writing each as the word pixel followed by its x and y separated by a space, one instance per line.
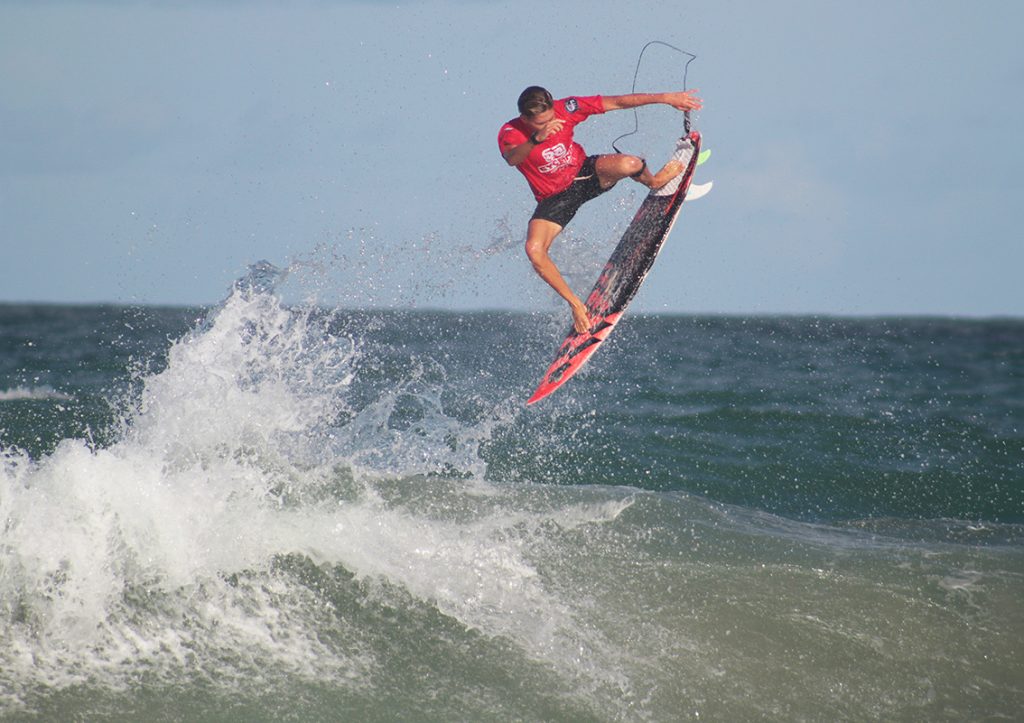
pixel 686 148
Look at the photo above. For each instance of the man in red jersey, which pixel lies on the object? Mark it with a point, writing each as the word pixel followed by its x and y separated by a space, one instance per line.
pixel 562 177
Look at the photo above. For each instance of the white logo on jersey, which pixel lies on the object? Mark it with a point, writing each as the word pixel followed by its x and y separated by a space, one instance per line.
pixel 557 157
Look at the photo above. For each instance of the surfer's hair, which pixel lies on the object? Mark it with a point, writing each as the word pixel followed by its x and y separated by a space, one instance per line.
pixel 534 101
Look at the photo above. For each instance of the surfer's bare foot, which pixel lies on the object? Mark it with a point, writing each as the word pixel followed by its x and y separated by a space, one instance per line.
pixel 580 319
pixel 666 174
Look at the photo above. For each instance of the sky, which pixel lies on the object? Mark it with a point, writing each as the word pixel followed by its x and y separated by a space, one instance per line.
pixel 866 156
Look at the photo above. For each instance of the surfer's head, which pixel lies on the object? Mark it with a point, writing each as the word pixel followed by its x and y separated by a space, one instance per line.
pixel 534 100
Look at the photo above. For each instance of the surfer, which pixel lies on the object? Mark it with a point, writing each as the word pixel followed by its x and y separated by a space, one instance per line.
pixel 562 177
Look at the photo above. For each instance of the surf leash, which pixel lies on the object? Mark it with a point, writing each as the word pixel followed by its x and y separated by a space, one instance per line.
pixel 636 74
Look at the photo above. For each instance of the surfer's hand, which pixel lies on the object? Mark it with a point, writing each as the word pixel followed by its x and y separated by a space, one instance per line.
pixel 685 100
pixel 553 126
pixel 580 319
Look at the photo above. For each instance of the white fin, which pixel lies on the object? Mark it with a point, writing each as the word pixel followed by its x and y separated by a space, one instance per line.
pixel 698 190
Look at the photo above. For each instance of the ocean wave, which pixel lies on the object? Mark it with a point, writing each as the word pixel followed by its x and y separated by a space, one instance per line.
pixel 306 514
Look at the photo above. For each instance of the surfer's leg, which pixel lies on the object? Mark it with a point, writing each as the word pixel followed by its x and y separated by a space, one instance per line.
pixel 539 235
pixel 613 167
pixel 666 174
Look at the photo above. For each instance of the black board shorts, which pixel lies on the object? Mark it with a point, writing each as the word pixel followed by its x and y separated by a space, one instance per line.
pixel 561 207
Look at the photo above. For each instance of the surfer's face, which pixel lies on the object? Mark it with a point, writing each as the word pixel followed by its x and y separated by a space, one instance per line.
pixel 540 121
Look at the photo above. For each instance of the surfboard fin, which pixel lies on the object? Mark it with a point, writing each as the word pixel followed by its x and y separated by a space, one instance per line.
pixel 698 190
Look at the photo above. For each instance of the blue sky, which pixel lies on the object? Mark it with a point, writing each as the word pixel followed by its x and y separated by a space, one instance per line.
pixel 866 156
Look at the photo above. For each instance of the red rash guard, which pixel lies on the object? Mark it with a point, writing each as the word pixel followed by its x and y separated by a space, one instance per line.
pixel 553 164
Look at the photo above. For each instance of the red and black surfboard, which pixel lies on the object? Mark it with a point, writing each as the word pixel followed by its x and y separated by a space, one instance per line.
pixel 625 270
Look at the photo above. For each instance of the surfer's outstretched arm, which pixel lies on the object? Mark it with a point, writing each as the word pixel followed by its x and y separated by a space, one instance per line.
pixel 539 235
pixel 681 100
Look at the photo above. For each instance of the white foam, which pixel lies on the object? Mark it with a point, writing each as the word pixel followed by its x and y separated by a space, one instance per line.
pixel 159 550
pixel 43 392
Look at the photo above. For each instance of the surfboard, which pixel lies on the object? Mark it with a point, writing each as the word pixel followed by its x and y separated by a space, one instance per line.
pixel 625 270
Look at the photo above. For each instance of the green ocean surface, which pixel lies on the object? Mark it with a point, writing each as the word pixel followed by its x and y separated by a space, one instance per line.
pixel 262 511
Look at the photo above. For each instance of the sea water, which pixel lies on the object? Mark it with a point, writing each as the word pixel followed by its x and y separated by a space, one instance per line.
pixel 266 511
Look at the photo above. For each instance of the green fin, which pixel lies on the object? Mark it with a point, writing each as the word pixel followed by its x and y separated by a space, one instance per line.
pixel 703 156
